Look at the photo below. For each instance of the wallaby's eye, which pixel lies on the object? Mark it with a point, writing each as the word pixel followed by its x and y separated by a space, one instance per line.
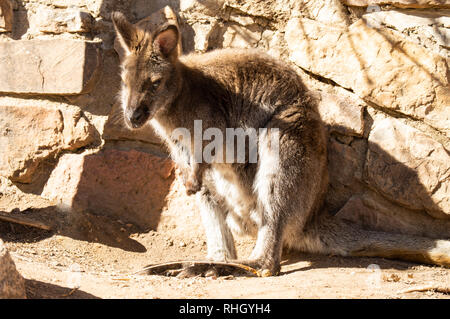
pixel 150 85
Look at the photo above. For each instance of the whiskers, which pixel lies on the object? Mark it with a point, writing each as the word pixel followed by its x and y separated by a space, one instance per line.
pixel 117 116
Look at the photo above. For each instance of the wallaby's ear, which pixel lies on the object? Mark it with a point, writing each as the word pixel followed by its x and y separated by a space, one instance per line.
pixel 166 41
pixel 126 32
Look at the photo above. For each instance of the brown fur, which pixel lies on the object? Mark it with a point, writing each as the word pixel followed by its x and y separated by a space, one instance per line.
pixel 279 201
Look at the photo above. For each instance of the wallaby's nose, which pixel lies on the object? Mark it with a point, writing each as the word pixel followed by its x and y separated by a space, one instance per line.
pixel 139 116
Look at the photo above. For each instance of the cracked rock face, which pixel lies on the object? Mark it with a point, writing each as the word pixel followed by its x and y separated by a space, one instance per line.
pixel 428 28
pixel 378 65
pixel 60 66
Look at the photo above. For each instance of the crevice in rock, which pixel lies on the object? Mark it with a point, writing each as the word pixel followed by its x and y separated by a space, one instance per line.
pixel 323 79
pixel 414 122
pixel 261 20
pixel 42 75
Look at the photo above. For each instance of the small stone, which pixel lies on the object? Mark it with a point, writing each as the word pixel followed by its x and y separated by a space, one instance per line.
pixel 391 278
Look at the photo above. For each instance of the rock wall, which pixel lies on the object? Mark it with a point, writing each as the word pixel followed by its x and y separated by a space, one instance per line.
pixel 379 68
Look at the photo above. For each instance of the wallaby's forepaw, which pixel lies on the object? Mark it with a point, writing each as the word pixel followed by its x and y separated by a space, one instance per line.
pixel 192 186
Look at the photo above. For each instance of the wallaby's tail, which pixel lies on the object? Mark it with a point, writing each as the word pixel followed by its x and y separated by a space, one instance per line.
pixel 332 235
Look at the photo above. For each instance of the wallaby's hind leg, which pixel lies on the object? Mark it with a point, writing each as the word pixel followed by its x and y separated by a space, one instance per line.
pixel 219 239
pixel 266 254
pixel 289 185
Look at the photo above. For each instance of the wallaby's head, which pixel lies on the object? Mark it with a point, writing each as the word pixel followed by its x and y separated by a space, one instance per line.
pixel 149 80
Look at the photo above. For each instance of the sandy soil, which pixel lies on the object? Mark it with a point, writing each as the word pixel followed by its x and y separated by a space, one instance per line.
pixel 98 256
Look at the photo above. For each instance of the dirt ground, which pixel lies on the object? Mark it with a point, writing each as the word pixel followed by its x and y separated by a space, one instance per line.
pixel 95 257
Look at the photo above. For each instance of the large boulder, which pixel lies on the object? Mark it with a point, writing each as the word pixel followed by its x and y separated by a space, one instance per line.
pixel 12 284
pixel 128 185
pixel 31 134
pixel 55 66
pixel 409 167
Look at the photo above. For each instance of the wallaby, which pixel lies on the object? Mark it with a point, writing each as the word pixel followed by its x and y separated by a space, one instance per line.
pixel 279 198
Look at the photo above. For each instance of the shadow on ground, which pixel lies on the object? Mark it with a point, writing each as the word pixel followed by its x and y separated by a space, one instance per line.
pixel 41 290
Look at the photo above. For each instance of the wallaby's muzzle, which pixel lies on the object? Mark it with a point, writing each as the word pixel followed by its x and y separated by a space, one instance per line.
pixel 139 116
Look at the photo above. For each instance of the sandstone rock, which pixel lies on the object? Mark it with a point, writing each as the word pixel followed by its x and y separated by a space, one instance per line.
pixel 407 19
pixel 29 135
pixel 244 21
pixel 331 11
pixel 428 28
pixel 400 3
pixel 375 213
pixel 51 20
pixel 273 43
pixel 260 8
pixel 6 16
pixel 128 185
pixel 93 6
pixel 346 162
pixel 237 36
pixel 345 168
pixel 12 198
pixel 409 167
pixel 185 8
pixel 379 65
pixel 342 112
pixel 202 34
pixel 58 66
pixel 12 284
